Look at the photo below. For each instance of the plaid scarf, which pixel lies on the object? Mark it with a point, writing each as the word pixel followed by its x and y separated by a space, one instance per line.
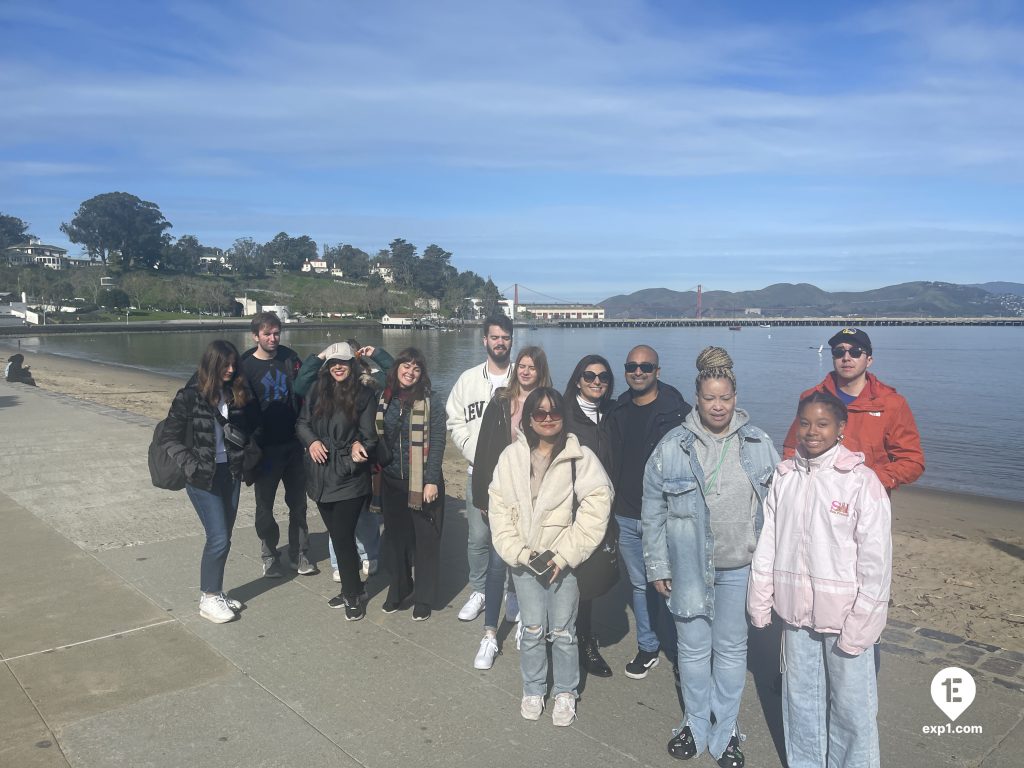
pixel 419 443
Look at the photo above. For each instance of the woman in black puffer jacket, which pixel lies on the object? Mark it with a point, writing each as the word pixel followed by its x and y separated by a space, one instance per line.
pixel 208 425
pixel 337 427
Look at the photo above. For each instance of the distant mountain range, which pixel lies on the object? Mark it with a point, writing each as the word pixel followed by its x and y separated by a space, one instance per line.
pixel 1014 289
pixel 918 299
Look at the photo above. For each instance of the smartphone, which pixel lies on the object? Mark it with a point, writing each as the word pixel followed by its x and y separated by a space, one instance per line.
pixel 539 563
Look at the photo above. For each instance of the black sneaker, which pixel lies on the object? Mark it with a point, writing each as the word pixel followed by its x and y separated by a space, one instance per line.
pixel 338 601
pixel 732 757
pixel 642 663
pixel 421 612
pixel 682 746
pixel 354 610
pixel 390 606
pixel 272 569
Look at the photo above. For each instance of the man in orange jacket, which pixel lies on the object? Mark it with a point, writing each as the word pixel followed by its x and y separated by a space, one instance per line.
pixel 880 424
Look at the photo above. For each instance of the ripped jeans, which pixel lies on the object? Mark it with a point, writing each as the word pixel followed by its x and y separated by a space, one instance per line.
pixel 548 612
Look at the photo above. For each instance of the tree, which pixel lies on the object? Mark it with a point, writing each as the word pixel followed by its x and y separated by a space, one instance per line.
pixel 353 262
pixel 402 260
pixel 183 255
pixel 489 298
pixel 120 230
pixel 13 231
pixel 290 252
pixel 433 272
pixel 138 286
pixel 247 258
pixel 113 298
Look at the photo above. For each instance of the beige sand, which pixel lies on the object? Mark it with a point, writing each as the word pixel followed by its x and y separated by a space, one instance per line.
pixel 958 561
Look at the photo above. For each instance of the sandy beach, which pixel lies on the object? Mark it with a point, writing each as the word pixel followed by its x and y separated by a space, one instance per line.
pixel 958 560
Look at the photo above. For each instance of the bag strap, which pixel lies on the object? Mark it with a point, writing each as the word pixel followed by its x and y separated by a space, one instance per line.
pixel 575 501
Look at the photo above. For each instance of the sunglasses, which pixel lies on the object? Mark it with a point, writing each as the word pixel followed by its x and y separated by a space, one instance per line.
pixel 855 352
pixel 645 367
pixel 540 415
pixel 588 376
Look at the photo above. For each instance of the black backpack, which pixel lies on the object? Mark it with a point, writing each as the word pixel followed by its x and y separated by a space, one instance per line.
pixel 163 470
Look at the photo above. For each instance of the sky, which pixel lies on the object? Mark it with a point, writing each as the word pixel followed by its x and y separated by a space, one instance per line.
pixel 582 150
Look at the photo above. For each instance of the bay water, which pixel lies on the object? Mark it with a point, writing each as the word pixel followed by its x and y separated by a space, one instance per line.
pixel 960 381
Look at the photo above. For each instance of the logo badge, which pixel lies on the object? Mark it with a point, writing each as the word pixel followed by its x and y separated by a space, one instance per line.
pixel 953 691
pixel 840 508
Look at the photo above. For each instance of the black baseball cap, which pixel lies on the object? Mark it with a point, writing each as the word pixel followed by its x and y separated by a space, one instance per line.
pixel 853 336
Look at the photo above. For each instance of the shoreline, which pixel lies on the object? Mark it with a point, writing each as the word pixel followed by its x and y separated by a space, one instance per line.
pixel 82 366
pixel 957 558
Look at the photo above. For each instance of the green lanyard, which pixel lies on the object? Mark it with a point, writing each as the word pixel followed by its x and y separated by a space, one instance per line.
pixel 721 461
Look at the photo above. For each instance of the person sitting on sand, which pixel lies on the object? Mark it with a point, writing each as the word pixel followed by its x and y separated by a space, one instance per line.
pixel 16 373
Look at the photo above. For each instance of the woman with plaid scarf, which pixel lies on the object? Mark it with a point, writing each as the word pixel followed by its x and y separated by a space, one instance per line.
pixel 411 426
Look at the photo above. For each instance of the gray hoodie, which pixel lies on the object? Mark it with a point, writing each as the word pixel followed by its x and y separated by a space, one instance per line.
pixel 728 493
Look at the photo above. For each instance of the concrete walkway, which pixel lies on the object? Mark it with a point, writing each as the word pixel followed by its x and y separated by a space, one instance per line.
pixel 106 662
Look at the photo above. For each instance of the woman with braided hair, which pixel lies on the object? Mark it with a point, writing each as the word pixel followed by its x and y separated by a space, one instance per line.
pixel 704 490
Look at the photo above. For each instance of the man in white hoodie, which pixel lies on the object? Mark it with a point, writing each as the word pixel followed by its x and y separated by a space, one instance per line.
pixel 466 404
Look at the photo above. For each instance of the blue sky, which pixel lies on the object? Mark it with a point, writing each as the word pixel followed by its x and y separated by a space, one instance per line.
pixel 581 149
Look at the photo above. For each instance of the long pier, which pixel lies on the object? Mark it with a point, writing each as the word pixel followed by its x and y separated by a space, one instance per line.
pixel 749 322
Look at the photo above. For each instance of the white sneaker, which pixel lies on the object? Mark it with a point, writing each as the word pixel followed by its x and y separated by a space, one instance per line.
pixel 233 604
pixel 214 608
pixel 531 707
pixel 336 575
pixel 367 569
pixel 511 607
pixel 485 656
pixel 473 607
pixel 565 709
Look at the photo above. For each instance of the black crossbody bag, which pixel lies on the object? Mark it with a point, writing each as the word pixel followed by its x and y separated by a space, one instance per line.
pixel 598 573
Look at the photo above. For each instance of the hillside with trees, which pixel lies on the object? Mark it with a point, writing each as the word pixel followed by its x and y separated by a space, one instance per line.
pixel 127 238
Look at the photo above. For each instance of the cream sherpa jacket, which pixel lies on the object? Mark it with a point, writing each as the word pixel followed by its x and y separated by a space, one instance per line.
pixel 519 527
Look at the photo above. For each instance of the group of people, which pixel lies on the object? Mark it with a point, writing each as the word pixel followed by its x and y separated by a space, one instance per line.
pixel 336 428
pixel 713 531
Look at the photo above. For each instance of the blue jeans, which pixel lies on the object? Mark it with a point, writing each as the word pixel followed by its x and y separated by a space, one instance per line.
pixel 499 580
pixel 478 548
pixel 829 703
pixel 217 509
pixel 649 607
pixel 367 537
pixel 497 572
pixel 549 613
pixel 713 663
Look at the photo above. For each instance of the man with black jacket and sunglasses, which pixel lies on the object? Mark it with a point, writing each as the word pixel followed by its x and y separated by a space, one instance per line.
pixel 642 415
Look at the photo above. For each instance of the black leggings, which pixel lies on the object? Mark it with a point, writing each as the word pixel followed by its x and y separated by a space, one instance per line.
pixel 341 517
pixel 411 538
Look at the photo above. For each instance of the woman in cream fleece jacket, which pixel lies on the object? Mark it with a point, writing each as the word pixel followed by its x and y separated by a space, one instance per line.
pixel 538 481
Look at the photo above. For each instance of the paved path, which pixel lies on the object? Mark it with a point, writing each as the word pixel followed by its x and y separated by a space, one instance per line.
pixel 105 661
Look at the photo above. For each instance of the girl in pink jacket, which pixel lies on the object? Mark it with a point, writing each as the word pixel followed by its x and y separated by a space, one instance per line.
pixel 824 563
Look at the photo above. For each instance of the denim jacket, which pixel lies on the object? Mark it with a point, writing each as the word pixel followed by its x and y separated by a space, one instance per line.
pixel 677 539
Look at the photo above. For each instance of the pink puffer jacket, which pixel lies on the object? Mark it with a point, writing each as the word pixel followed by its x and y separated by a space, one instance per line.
pixel 824 560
